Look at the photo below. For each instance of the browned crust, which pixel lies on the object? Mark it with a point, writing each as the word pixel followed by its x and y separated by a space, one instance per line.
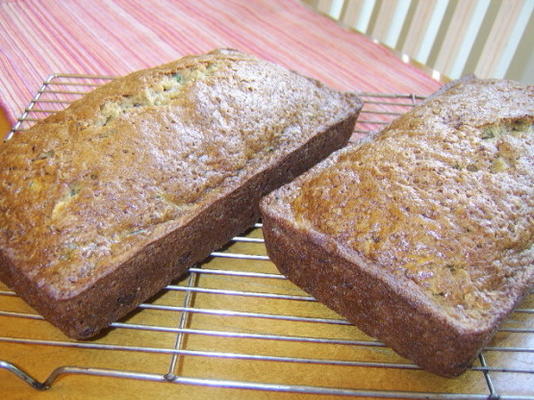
pixel 378 308
pixel 150 269
pixel 364 289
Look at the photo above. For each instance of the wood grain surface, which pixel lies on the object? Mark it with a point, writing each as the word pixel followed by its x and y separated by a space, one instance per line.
pixel 212 350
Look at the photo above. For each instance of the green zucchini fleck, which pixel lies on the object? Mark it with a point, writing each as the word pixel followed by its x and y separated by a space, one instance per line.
pixel 137 232
pixel 487 133
pixel 451 267
pixel 45 155
pixel 472 168
pixel 74 189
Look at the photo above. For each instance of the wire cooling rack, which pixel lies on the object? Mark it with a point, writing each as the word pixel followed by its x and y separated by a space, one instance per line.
pixel 235 323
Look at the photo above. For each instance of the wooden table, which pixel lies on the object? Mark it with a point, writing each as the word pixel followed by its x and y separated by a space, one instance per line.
pixel 230 360
pixel 5 125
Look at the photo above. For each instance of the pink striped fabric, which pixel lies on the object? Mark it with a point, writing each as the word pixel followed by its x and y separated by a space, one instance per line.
pixel 39 37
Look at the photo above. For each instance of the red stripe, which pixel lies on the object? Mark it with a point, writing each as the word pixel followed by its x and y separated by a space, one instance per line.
pixel 56 23
pixel 38 38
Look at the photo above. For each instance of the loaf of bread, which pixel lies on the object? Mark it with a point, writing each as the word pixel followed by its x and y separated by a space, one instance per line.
pixel 422 236
pixel 104 203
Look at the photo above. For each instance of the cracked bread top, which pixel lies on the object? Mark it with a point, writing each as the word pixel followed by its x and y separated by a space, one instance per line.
pixel 139 156
pixel 441 201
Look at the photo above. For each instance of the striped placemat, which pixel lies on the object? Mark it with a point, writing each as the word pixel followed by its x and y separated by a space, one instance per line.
pixel 108 37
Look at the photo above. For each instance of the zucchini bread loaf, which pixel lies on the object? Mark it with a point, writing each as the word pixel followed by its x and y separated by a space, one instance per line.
pixel 104 203
pixel 422 236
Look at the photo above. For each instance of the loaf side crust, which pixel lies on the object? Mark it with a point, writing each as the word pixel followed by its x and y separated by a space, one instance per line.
pixel 405 323
pixel 141 226
pixel 438 311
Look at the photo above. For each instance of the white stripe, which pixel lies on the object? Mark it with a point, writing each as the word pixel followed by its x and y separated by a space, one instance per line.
pixel 367 7
pixel 335 8
pixel 519 27
pixel 399 16
pixel 470 35
pixel 432 30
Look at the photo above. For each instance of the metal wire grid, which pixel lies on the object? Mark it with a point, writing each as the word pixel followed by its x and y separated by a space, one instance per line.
pixel 235 297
